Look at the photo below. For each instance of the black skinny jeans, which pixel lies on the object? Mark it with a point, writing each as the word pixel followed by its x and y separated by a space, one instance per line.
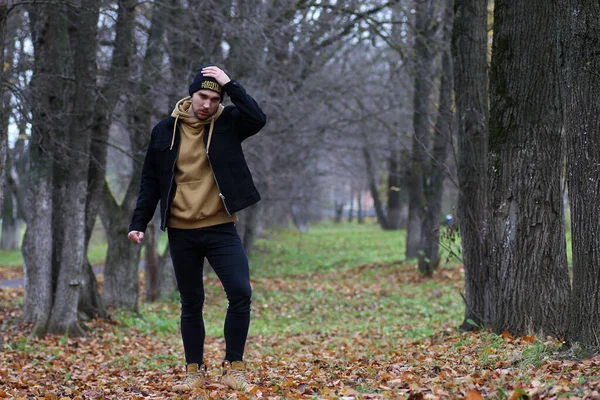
pixel 222 246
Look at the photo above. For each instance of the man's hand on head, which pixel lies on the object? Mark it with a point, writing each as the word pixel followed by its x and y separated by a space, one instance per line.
pixel 216 73
pixel 135 236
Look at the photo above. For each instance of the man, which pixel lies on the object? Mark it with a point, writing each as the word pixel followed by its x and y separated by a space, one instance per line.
pixel 196 168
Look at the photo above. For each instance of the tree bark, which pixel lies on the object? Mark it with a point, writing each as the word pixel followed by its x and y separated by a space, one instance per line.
pixel 469 48
pixel 166 274
pixel 143 123
pixel 424 71
pixel 121 282
pixel 370 169
pixel 359 212
pixel 4 110
pixel 109 93
pixel 529 287
pixel 73 169
pixel 47 104
pixel 151 262
pixel 351 209
pixel 394 188
pixel 579 27
pixel 10 224
pixel 434 184
pixel 251 217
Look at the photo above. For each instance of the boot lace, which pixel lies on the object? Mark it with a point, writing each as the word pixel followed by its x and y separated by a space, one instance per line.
pixel 189 379
pixel 240 376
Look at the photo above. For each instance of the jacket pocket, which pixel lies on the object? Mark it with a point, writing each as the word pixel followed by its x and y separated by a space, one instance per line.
pixel 161 151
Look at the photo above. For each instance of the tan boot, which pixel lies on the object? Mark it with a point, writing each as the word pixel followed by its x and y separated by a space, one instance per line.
pixel 195 378
pixel 234 376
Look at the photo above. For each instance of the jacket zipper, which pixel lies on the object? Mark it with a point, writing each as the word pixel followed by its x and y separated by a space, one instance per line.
pixel 170 187
pixel 217 182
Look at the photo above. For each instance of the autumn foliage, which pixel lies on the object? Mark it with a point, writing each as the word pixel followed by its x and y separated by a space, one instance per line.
pixel 375 330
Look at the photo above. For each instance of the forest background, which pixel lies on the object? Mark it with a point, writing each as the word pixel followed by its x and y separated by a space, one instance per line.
pixel 393 113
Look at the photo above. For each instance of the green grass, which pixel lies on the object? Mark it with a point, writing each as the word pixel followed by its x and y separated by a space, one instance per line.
pixel 306 282
pixel 294 251
pixel 342 294
pixel 326 247
pixel 11 258
pixel 96 251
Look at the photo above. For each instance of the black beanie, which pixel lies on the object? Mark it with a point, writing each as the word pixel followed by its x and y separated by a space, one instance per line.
pixel 205 82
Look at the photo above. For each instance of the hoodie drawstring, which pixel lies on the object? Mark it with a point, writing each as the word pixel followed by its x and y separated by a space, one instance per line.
pixel 210 131
pixel 174 129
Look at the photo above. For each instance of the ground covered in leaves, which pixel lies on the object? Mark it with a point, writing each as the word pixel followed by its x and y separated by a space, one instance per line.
pixel 336 315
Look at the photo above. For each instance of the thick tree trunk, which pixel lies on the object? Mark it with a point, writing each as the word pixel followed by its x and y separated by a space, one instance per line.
pixel 47 107
pixel 90 301
pixel 434 185
pixel 37 243
pixel 529 285
pixel 121 283
pixel 469 47
pixel 114 86
pixel 82 29
pixel 580 29
pixel 143 122
pixel 424 70
pixel 68 233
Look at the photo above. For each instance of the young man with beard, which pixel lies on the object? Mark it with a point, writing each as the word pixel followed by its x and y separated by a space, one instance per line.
pixel 196 168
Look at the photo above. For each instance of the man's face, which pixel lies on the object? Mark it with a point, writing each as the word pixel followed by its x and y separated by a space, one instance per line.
pixel 205 103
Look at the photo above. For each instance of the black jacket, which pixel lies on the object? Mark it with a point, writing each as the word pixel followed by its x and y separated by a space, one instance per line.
pixel 236 123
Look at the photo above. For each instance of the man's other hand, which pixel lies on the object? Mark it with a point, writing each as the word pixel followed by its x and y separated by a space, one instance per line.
pixel 135 236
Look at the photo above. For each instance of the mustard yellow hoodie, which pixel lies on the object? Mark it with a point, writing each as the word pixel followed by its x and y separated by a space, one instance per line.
pixel 196 203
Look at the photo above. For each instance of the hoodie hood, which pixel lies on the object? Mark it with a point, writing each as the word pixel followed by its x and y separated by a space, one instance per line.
pixel 183 113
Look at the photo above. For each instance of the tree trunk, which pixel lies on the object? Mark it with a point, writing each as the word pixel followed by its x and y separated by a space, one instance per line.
pixel 370 169
pixel 143 122
pixel 434 185
pixel 188 52
pixel 251 224
pixel 113 88
pixel 121 282
pixel 529 285
pixel 424 71
pixel 151 262
pixel 4 110
pixel 351 209
pixel 47 108
pixel 82 29
pixel 394 204
pixel 90 302
pixel 10 224
pixel 359 212
pixel 469 47
pixel 166 274
pixel 579 26
pixel 339 211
